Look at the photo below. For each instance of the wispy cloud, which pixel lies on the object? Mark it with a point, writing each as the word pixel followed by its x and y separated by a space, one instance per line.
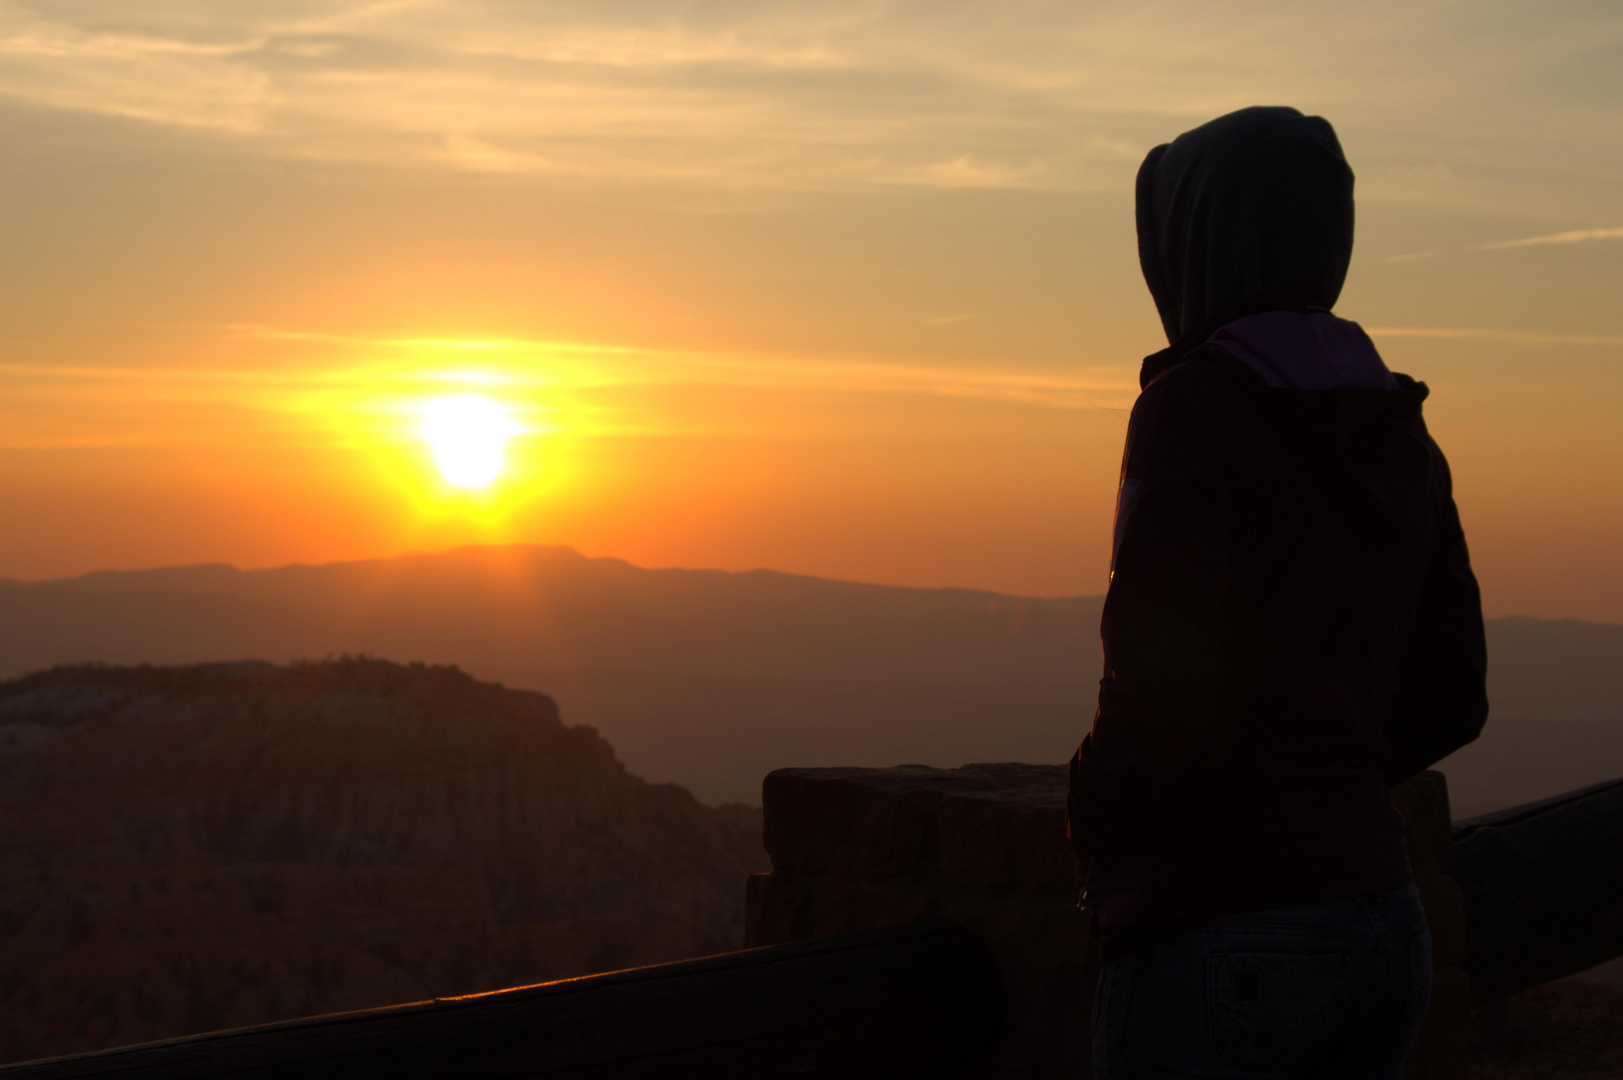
pixel 1573 236
pixel 1509 337
pixel 792 94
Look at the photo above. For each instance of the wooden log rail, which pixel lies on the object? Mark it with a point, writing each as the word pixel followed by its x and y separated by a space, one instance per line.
pixel 1543 888
pixel 921 999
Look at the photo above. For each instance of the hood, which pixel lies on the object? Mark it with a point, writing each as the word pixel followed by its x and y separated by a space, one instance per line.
pixel 1251 212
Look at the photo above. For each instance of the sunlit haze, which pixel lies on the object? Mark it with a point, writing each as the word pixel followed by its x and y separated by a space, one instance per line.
pixel 843 288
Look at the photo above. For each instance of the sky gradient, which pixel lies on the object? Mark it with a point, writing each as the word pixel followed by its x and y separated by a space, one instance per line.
pixel 840 288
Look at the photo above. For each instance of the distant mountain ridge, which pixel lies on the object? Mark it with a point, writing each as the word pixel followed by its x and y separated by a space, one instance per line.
pixel 711 678
pixel 552 607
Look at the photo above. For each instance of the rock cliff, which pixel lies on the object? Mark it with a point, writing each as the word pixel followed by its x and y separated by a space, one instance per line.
pixel 188 849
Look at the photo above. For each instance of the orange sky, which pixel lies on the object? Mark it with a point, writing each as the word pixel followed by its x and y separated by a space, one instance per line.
pixel 841 288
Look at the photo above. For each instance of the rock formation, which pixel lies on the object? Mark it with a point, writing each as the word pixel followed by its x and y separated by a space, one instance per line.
pixel 189 849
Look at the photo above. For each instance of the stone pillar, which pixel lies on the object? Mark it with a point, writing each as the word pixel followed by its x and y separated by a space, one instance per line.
pixel 985 846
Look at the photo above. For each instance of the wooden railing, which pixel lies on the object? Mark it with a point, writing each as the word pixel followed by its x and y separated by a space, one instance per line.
pixel 1543 886
pixel 924 999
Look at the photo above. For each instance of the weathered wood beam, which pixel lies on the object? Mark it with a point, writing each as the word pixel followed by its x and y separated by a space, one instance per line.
pixel 1543 887
pixel 921 999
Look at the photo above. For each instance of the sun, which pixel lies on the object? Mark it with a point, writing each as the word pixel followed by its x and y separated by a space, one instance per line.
pixel 468 435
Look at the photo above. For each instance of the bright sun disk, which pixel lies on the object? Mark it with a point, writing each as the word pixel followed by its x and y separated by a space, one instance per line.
pixel 468 434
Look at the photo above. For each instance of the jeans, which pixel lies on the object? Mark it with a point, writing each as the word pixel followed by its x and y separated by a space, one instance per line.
pixel 1326 991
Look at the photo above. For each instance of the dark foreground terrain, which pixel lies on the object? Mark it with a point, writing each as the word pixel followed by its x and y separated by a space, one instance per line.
pixel 1567 1030
pixel 188 849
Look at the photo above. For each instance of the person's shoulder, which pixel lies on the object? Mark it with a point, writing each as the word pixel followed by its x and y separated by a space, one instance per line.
pixel 1185 413
pixel 1196 385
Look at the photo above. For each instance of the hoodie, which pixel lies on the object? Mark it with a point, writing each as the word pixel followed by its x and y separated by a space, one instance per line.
pixel 1292 625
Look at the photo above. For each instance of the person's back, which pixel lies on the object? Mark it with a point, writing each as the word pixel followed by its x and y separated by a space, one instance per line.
pixel 1292 626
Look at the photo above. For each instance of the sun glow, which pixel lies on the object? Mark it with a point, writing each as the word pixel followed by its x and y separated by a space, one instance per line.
pixel 468 434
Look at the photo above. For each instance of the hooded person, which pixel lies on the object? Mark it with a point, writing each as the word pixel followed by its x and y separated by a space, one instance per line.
pixel 1291 628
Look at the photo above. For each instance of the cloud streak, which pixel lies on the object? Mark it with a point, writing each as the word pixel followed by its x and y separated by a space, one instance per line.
pixel 1573 236
pixel 1508 337
pixel 376 382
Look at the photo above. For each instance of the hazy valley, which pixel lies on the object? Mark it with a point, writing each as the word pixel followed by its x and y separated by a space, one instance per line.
pixel 710 679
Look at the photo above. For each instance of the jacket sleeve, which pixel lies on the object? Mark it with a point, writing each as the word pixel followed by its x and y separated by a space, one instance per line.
pixel 1162 622
pixel 1441 701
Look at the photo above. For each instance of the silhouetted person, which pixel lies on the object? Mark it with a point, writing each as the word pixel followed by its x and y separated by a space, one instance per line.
pixel 1292 627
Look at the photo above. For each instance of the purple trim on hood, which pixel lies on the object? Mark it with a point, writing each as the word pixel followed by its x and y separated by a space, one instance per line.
pixel 1298 350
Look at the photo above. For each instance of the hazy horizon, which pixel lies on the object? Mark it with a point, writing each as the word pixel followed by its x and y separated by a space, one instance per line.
pixel 429 554
pixel 710 678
